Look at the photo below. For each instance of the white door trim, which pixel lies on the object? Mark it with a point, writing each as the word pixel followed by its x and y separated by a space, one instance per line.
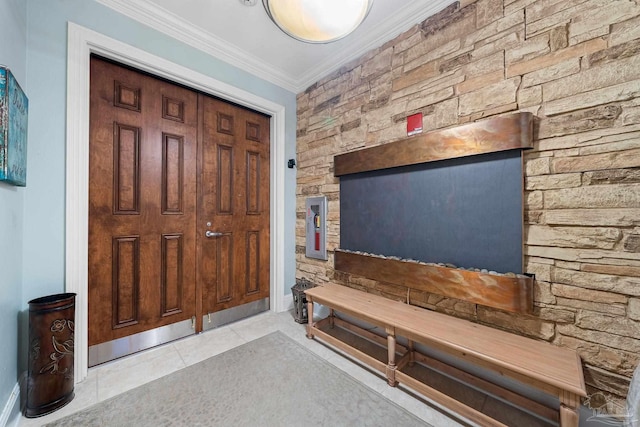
pixel 81 43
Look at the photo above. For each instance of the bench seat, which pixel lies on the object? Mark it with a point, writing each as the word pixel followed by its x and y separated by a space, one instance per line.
pixel 555 370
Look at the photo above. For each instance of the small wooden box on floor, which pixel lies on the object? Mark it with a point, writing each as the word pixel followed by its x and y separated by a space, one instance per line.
pixel 552 369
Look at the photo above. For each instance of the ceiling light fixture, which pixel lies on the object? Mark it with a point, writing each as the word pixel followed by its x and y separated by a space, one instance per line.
pixel 317 21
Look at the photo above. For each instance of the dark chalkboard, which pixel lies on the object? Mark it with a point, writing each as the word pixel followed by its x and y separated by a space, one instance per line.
pixel 465 211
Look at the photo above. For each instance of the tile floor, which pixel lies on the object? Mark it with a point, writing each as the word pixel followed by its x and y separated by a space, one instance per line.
pixel 116 377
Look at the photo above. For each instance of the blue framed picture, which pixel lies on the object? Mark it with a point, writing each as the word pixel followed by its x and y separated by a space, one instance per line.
pixel 14 107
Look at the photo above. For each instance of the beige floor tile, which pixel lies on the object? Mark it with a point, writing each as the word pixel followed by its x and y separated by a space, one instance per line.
pixel 256 326
pixel 207 344
pixel 367 377
pixel 425 411
pixel 130 372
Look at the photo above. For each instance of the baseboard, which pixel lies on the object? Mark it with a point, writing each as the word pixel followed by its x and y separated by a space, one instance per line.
pixel 287 302
pixel 11 410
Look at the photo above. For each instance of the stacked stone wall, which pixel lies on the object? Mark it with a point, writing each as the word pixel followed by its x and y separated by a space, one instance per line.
pixel 575 64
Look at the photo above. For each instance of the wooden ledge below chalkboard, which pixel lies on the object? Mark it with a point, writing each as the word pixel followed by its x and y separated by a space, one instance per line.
pixel 504 292
pixel 514 131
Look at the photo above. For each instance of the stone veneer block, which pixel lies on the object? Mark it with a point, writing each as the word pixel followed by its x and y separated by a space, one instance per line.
pixel 489 97
pixel 595 217
pixel 538 63
pixel 634 308
pixel 599 196
pixel 604 161
pixel 578 237
pixel 598 77
pixel 620 92
pixel 625 31
pixel 601 282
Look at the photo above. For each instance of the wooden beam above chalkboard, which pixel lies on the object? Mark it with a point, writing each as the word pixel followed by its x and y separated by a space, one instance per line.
pixel 487 136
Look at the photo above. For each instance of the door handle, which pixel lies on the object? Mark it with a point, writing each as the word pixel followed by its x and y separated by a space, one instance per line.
pixel 212 234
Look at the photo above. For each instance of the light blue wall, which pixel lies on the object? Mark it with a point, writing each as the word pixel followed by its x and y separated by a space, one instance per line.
pixel 46 54
pixel 13 34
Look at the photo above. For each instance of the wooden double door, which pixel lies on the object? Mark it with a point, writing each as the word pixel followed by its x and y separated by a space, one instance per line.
pixel 178 204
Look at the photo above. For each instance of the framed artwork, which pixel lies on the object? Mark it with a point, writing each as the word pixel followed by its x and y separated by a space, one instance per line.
pixel 14 107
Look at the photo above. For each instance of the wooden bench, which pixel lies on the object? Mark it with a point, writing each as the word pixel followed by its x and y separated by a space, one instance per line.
pixel 552 369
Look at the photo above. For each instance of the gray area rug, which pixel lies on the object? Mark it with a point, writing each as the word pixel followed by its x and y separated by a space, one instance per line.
pixel 272 381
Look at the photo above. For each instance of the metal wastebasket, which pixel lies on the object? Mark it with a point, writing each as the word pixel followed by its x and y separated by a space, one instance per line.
pixel 51 353
pixel 300 300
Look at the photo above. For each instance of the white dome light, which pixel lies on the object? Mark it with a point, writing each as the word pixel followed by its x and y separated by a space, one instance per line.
pixel 317 21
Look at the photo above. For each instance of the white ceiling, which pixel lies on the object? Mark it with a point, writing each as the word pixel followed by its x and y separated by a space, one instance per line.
pixel 245 37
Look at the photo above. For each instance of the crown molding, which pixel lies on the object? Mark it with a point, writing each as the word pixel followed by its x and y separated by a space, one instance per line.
pixel 393 26
pixel 161 20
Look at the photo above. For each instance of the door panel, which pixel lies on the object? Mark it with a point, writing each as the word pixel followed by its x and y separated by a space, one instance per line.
pixel 224 268
pixel 225 180
pixel 253 183
pixel 253 262
pixel 172 275
pixel 235 201
pixel 142 192
pixel 172 174
pixel 167 165
pixel 126 169
pixel 126 283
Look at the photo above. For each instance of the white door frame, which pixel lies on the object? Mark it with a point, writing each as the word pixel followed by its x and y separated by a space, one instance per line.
pixel 81 43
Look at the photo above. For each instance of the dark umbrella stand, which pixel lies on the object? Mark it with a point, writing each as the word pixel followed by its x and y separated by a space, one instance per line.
pixel 51 337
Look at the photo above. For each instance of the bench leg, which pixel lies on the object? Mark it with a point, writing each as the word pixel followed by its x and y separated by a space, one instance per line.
pixel 310 318
pixel 569 415
pixel 332 316
pixel 412 354
pixel 391 350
